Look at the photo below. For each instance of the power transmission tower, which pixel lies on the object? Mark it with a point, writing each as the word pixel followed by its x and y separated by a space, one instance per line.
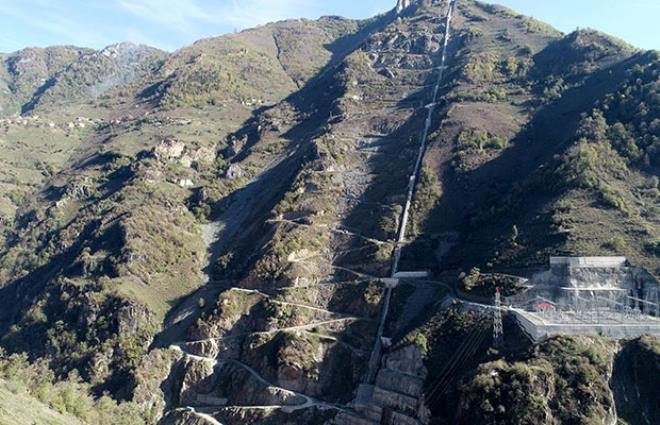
pixel 498 328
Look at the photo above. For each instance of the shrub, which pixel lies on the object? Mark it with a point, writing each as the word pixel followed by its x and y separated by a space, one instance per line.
pixel 613 198
pixel 426 196
pixel 481 69
pixel 579 165
pixel 497 143
pixel 422 342
pixel 653 247
pixel 480 141
pixel 471 279
pixel 616 244
pixel 68 396
pixel 553 90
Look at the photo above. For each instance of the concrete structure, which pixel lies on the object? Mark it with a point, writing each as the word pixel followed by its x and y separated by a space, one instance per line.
pixel 382 398
pixel 540 327
pixel 396 398
pixel 412 275
pixel 587 262
pixel 589 296
pixel 573 283
pixel 498 327
pixel 390 282
pixel 374 359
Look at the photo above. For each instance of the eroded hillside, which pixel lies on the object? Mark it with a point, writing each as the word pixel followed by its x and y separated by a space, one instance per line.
pixel 202 235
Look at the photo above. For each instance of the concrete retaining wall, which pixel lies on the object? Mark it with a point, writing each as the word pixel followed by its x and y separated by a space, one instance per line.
pixel 396 418
pixel 398 401
pixel 396 381
pixel 540 331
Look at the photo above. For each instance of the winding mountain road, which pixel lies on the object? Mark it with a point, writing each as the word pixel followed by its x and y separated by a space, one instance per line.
pixel 308 401
pixel 219 234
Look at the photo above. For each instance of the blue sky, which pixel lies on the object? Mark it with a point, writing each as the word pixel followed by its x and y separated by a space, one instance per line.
pixel 171 24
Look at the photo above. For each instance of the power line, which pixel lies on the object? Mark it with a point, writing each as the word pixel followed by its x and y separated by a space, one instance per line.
pixel 465 352
pixel 498 327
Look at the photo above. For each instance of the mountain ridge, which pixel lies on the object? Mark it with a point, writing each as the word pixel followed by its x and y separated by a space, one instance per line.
pixel 222 217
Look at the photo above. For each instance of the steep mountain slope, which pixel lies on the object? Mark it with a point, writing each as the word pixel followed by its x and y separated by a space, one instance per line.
pixel 90 245
pixel 94 74
pixel 25 72
pixel 505 124
pixel 205 232
pixel 18 409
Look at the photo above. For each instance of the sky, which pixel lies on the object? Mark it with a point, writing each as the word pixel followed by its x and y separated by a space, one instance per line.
pixel 172 24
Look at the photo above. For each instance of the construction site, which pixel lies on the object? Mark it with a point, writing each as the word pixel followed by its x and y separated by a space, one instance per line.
pixel 588 296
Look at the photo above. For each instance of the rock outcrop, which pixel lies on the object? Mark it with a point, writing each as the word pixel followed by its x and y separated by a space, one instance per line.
pixel 169 149
pixel 234 172
pixel 402 5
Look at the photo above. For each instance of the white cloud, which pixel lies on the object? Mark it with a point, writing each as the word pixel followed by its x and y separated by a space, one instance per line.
pixel 184 16
pixel 138 36
pixel 54 20
pixel 167 24
pixel 255 12
pixel 181 15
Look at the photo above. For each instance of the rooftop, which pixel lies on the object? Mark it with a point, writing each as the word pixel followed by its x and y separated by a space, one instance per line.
pixel 590 262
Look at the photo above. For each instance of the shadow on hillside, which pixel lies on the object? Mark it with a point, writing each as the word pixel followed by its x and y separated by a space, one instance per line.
pixel 243 229
pixel 247 233
pixel 636 393
pixel 513 189
pixel 315 100
pixel 20 295
pixel 377 213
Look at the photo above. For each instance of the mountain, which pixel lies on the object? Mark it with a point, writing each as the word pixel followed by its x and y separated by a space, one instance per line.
pixel 201 236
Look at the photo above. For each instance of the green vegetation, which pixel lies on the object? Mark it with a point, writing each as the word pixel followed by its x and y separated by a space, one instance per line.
pixel 653 247
pixel 495 9
pixel 482 69
pixel 303 45
pixel 580 53
pixel 554 89
pixel 632 112
pixel 520 391
pixel 470 279
pixel 534 26
pixel 95 74
pixel 441 338
pixel 33 153
pixel 56 402
pixel 26 71
pixel 426 196
pixel 493 94
pixel 118 259
pixel 575 178
pixel 19 408
pixel 480 141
